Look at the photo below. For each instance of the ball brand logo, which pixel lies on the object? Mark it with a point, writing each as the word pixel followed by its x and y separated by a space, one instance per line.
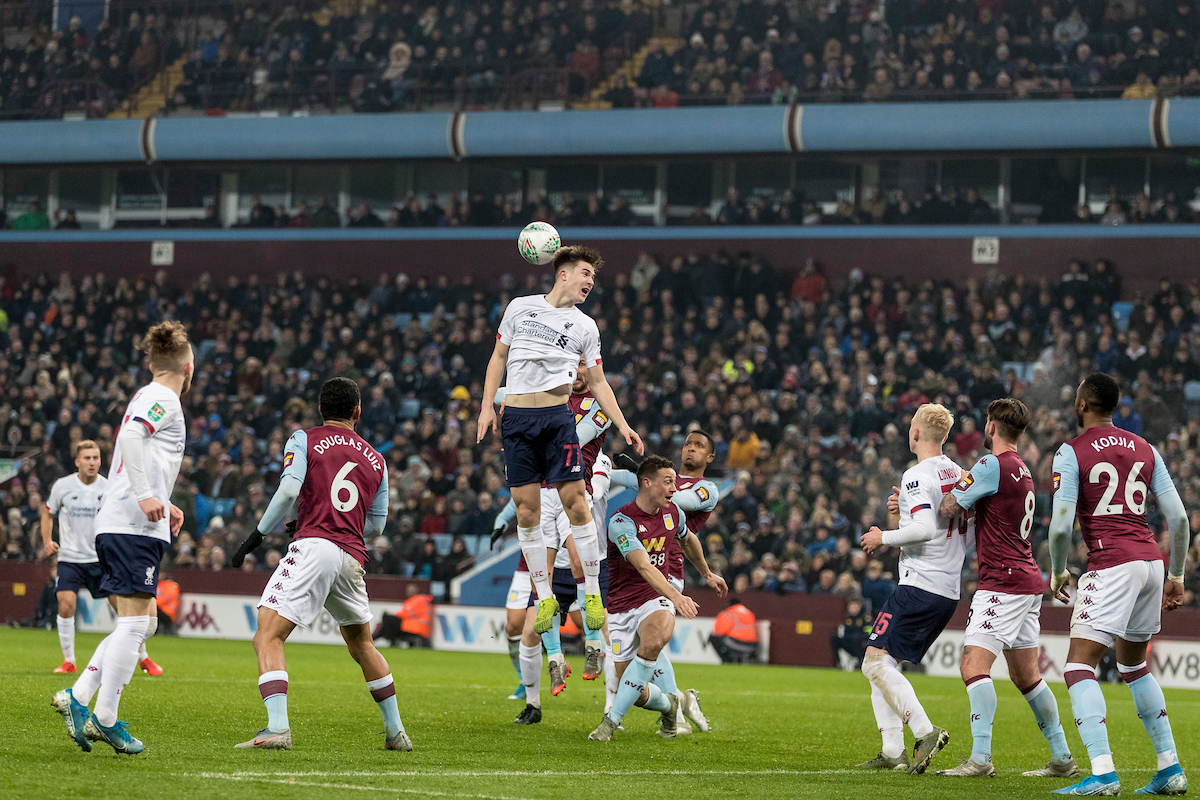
pixel 199 619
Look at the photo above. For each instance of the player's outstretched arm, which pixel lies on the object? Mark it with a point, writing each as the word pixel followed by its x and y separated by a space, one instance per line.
pixel 1062 518
pixel 702 496
pixel 491 385
pixel 608 404
pixel 1171 506
pixel 279 509
pixel 623 477
pixel 132 443
pixel 695 554
pixel 49 546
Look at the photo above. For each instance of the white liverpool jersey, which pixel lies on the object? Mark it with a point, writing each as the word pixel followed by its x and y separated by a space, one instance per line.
pixel 545 344
pixel 158 409
pixel 76 503
pixel 936 565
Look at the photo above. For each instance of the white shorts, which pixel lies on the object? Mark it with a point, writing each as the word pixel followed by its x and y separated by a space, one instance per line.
pixel 623 627
pixel 316 573
pixel 1124 601
pixel 555 526
pixel 676 583
pixel 518 591
pixel 1000 621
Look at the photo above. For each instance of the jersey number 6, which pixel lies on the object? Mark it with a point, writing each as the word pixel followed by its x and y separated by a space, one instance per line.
pixel 340 484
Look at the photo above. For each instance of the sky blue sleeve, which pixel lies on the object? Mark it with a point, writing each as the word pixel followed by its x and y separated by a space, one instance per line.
pixel 982 481
pixel 623 533
pixel 702 496
pixel 1160 481
pixel 1066 474
pixel 379 506
pixel 295 456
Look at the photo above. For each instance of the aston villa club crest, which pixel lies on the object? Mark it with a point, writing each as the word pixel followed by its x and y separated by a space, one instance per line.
pixel 669 521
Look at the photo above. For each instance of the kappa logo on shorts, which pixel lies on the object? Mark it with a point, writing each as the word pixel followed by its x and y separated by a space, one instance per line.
pixel 993 600
pixel 1091 587
pixel 278 587
pixel 1084 615
pixel 149 576
pixel 1087 601
pixel 273 600
pixel 291 562
pixel 991 612
pixel 284 573
pixel 987 626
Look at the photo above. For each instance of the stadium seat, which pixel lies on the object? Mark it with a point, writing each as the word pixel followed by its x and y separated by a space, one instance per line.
pixel 409 408
pixel 1121 313
pixel 1191 398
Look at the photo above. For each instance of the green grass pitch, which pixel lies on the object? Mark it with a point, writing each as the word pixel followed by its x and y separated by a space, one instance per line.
pixel 777 732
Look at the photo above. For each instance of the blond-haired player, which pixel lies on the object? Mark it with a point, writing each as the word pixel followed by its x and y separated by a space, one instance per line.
pixel 931 559
pixel 134 525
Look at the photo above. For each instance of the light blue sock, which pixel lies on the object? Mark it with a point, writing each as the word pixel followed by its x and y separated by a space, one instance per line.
pixel 635 678
pixel 383 692
pixel 1087 702
pixel 1152 711
pixel 664 674
pixel 982 694
pixel 552 640
pixel 658 700
pixel 514 652
pixel 1045 710
pixel 272 685
pixel 590 636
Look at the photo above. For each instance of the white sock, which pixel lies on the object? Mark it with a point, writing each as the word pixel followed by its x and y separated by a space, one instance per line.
pixel 142 655
pixel 531 673
pixel 588 547
pixel 891 727
pixel 66 637
pixel 89 678
pixel 883 672
pixel 533 547
pixel 119 663
pixel 610 680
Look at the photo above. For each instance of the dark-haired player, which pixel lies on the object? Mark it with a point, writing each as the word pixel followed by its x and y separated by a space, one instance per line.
pixel 133 528
pixel 341 483
pixel 641 539
pixel 540 342
pixel 1006 611
pixel 1104 477
pixel 697 496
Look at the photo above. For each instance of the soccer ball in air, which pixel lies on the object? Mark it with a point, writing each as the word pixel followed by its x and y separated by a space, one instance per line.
pixel 538 243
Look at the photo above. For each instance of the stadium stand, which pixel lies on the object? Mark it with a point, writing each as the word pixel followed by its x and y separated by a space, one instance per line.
pixel 807 388
pixel 374 57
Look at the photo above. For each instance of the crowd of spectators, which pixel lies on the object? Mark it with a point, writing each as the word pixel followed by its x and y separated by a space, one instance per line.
pixel 737 51
pixel 92 72
pixel 806 386
pixel 389 57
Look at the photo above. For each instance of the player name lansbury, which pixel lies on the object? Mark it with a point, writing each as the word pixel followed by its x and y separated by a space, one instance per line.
pixel 337 439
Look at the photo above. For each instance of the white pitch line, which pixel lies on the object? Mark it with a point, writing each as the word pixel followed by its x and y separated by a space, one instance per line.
pixel 313 785
pixel 247 775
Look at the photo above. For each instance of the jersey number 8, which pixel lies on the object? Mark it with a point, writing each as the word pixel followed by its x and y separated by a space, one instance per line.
pixel 1133 486
pixel 1027 520
pixel 339 485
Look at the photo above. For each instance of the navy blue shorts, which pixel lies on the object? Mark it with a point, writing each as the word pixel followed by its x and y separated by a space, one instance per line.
pixel 566 590
pixel 73 577
pixel 909 623
pixel 540 444
pixel 130 563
